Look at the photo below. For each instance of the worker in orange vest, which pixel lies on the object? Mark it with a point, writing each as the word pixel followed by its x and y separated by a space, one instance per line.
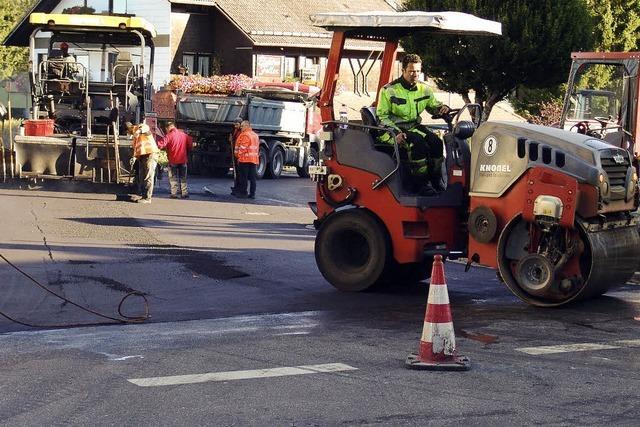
pixel 246 153
pixel 232 139
pixel 145 151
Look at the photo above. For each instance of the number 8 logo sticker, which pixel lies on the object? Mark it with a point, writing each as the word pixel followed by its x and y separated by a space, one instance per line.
pixel 490 145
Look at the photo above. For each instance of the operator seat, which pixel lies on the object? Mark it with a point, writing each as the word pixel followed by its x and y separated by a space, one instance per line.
pixel 369 117
pixel 122 68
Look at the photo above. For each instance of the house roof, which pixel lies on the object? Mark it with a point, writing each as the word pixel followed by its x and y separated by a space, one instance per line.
pixel 260 19
pixel 19 35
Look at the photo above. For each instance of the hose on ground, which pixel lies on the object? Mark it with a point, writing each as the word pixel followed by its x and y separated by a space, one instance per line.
pixel 123 319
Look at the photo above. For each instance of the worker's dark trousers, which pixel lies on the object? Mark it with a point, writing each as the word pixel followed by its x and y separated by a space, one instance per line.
pixel 423 144
pixel 427 146
pixel 246 172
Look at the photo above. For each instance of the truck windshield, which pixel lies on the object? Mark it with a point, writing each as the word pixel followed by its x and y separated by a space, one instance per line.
pixel 597 92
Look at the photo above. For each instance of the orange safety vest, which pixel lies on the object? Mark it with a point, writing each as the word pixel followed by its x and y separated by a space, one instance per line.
pixel 143 141
pixel 247 146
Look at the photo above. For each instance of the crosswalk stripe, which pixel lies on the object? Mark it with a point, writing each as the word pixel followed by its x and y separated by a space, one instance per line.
pixel 569 348
pixel 240 375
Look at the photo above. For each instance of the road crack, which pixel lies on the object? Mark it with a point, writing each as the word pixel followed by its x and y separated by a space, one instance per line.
pixel 44 236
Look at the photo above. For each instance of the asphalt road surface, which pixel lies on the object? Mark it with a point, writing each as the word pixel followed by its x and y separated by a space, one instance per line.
pixel 245 331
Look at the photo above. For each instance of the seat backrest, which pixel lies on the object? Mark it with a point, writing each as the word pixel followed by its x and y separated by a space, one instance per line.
pixel 123 56
pixel 122 66
pixel 369 117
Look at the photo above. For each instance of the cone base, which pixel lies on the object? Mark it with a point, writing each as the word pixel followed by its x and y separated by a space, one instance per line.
pixel 455 363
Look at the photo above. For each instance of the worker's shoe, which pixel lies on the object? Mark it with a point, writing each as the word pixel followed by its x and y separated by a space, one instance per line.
pixel 144 200
pixel 185 196
pixel 173 196
pixel 427 190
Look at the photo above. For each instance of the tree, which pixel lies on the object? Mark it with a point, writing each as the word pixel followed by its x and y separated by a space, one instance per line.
pixel 617 24
pixel 12 59
pixel 534 50
pixel 616 28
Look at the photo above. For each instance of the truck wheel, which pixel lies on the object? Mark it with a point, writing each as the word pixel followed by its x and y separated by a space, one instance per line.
pixel 276 163
pixel 262 162
pixel 352 250
pixel 311 159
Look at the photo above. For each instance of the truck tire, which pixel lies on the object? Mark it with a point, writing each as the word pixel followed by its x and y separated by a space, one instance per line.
pixel 262 162
pixel 352 250
pixel 311 159
pixel 276 163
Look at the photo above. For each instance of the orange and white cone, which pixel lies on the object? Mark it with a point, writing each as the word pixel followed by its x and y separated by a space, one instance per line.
pixel 438 343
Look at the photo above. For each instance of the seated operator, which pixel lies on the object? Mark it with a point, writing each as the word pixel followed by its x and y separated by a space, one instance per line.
pixel 399 107
pixel 63 66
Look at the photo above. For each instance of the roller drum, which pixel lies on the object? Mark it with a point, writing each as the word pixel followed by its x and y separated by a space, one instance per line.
pixel 604 259
pixel 614 259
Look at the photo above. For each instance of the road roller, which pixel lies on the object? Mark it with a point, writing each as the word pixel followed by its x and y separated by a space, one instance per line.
pixel 553 211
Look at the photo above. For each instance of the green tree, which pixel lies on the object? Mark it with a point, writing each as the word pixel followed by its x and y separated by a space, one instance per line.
pixel 617 24
pixel 538 36
pixel 616 28
pixel 12 59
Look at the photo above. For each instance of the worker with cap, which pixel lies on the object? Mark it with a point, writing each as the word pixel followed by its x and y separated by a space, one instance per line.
pixel 145 150
pixel 63 66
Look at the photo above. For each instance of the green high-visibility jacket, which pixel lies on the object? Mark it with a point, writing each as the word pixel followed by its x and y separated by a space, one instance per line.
pixel 400 105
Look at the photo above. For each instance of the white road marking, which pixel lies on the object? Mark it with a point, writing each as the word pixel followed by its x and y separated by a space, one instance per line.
pixel 240 375
pixel 569 348
pixel 292 333
pixel 257 213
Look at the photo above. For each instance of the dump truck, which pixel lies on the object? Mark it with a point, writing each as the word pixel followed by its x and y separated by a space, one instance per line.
pixel 553 211
pixel 282 114
pixel 95 76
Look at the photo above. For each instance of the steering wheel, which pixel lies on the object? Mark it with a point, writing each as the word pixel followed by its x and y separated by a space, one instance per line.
pixel 580 127
pixel 604 119
pixel 448 116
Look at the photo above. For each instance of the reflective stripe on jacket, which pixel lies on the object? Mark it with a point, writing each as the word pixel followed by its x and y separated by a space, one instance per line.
pixel 143 141
pixel 247 147
pixel 399 105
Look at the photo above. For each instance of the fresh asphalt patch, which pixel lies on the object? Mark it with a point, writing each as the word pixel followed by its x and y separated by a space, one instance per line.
pixel 199 262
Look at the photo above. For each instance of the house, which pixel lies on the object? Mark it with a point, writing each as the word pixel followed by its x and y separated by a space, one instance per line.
pixel 270 40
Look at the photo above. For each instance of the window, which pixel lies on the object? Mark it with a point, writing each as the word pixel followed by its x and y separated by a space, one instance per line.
pixel 197 63
pixel 119 6
pixel 98 5
pixel 110 6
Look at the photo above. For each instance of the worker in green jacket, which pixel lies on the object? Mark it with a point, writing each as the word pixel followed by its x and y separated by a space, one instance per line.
pixel 400 104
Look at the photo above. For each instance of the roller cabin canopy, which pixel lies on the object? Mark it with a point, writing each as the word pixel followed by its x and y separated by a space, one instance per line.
pixel 388 27
pixel 393 25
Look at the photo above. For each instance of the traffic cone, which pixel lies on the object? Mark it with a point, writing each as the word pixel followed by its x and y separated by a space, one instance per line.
pixel 437 351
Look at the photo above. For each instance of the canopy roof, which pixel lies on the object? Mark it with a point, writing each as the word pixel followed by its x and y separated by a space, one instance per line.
pixel 387 24
pixel 71 22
